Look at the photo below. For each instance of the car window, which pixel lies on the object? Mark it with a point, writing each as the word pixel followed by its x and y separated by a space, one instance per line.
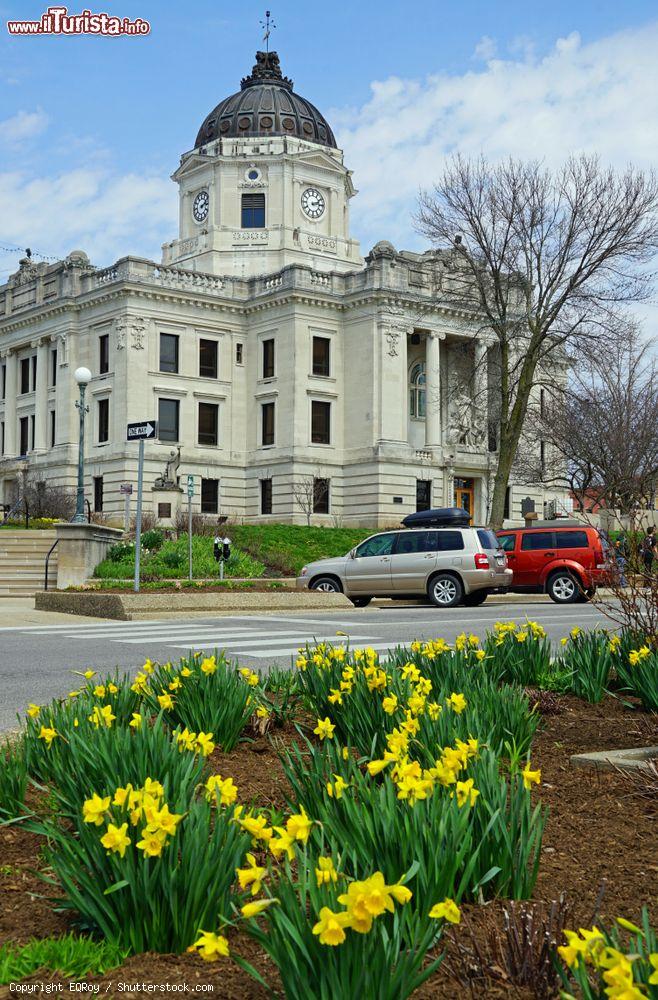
pixel 507 542
pixel 415 541
pixel 572 539
pixel 487 539
pixel 449 541
pixel 378 545
pixel 537 540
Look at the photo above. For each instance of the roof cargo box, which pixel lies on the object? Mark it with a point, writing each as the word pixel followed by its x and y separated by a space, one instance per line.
pixel 439 517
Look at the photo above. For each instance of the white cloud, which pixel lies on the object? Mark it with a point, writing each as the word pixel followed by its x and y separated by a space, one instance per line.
pixel 485 49
pixel 106 214
pixel 597 97
pixel 22 126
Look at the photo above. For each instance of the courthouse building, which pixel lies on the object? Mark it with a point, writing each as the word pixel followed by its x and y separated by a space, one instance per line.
pixel 283 368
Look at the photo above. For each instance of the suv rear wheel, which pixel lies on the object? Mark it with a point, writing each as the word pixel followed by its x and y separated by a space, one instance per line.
pixel 445 590
pixel 327 584
pixel 563 587
pixel 476 598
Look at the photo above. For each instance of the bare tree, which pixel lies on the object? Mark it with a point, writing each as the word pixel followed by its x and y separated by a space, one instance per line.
pixel 45 500
pixel 547 259
pixel 309 492
pixel 600 431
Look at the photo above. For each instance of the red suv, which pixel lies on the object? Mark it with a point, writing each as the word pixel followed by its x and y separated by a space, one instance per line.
pixel 566 561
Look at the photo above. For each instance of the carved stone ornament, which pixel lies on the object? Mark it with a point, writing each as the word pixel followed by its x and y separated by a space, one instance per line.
pixel 133 327
pixel 392 337
pixel 464 424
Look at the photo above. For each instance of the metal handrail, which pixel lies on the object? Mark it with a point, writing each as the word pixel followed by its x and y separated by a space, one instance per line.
pixel 11 510
pixel 50 552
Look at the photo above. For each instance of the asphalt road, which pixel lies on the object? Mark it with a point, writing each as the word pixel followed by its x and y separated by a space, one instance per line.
pixel 36 662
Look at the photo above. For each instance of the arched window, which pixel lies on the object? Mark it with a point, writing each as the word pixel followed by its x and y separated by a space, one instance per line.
pixel 417 390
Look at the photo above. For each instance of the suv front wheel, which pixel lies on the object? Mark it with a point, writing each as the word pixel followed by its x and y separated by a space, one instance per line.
pixel 327 584
pixel 445 590
pixel 563 587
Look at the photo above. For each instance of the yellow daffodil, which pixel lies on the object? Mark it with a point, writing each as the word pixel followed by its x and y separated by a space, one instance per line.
pixel 99 691
pixel 204 744
pixel 390 704
pixel 102 716
pixel 262 712
pixel 250 910
pixel 325 873
pixel 480 654
pixel 299 826
pixel 301 663
pixel 154 788
pixel 165 701
pixel 447 910
pixel 121 795
pixel 530 778
pixel 88 674
pixel 136 720
pixel 48 734
pixel 653 961
pixel 148 667
pixel 162 820
pixel 330 928
pixel 186 672
pixel 335 697
pixel 251 876
pixel 175 684
pixel 211 946
pixel 116 840
pixel 33 710
pixel 257 827
pixel 94 809
pixel 209 665
pixel 324 729
pixel 335 790
pixel 456 702
pixel 283 843
pixel 222 787
pixel 152 843
pixel 466 793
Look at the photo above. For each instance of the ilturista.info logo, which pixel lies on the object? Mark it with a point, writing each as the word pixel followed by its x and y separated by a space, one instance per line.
pixel 58 21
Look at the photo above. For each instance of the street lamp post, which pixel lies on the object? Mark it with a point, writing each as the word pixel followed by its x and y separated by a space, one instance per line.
pixel 83 378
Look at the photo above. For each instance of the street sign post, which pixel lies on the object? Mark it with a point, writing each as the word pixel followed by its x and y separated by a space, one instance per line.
pixel 190 494
pixel 145 430
pixel 126 490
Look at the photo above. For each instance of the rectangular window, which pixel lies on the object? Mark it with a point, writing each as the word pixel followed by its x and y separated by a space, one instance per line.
pixel 32 430
pixel 423 494
pixel 535 541
pixel 104 354
pixel 164 510
pixel 34 372
pixel 320 422
pixel 53 367
pixel 25 375
pixel 267 423
pixel 4 381
pixel 321 352
pixel 268 359
pixel 506 508
pixel 208 423
pixel 266 496
pixel 209 496
pixel 208 358
pixel 98 494
pixel 571 539
pixel 449 541
pixel 320 496
pixel 103 420
pixel 53 429
pixel 24 433
pixel 542 456
pixel 2 438
pixel 238 354
pixel 169 353
pixel 168 416
pixel 253 211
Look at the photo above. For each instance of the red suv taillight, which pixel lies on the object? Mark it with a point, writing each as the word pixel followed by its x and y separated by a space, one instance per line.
pixel 481 561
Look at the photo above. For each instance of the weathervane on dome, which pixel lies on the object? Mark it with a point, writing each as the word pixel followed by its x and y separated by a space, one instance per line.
pixel 268 25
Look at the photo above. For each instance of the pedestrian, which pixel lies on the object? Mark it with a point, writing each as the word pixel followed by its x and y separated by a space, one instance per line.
pixel 649 543
pixel 620 550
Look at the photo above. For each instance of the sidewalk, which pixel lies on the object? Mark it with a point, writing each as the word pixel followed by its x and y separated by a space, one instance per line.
pixel 17 612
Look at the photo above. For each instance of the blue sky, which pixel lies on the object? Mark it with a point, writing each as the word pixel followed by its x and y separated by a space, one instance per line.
pixel 91 128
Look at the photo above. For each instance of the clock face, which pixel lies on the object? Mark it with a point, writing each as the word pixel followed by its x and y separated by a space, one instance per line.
pixel 200 206
pixel 313 203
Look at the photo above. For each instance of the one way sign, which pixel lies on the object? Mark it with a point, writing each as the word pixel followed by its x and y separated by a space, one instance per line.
pixel 142 431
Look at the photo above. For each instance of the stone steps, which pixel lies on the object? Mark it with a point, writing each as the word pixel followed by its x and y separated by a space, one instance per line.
pixel 22 562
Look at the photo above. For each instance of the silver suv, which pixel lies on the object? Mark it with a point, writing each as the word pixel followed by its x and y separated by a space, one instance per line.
pixel 456 565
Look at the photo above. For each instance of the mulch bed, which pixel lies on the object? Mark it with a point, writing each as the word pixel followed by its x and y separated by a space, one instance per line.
pixel 599 849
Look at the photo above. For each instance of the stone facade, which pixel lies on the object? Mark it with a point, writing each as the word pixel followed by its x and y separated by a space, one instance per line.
pixel 281 355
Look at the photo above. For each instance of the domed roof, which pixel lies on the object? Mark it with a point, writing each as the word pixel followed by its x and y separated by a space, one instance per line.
pixel 266 105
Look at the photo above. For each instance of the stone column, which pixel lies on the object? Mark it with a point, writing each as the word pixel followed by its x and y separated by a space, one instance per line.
pixel 481 388
pixel 41 396
pixel 10 403
pixel 433 390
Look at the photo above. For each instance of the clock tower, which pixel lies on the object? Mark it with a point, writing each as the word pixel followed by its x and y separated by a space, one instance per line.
pixel 265 185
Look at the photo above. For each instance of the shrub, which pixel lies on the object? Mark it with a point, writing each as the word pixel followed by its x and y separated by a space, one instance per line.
pixel 207 694
pixel 588 657
pixel 152 539
pixel 519 654
pixel 147 877
pixel 602 966
pixel 638 674
pixel 120 552
pixel 310 934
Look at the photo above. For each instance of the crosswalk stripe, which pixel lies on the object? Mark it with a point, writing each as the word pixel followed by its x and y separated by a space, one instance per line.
pixel 233 637
pixel 126 634
pixel 262 654
pixel 237 647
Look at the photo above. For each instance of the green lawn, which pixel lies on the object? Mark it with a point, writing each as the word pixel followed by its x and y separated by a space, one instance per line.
pixel 170 561
pixel 285 548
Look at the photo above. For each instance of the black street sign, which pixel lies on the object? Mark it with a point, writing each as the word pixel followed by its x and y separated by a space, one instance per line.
pixel 141 432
